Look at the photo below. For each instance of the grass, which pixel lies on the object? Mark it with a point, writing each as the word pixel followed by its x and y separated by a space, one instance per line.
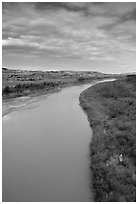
pixel 111 110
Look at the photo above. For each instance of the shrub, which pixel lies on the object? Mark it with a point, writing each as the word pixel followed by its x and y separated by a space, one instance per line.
pixel 6 90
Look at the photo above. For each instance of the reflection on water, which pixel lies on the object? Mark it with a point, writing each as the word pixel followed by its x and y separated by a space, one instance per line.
pixel 46 150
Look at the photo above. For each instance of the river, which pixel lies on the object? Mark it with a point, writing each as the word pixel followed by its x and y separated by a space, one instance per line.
pixel 46 150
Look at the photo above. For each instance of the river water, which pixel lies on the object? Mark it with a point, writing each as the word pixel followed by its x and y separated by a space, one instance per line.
pixel 46 150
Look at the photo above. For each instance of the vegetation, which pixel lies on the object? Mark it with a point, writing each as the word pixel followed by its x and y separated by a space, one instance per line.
pixel 111 110
pixel 21 89
pixel 24 82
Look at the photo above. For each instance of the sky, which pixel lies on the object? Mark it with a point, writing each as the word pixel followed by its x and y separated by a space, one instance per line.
pixel 69 36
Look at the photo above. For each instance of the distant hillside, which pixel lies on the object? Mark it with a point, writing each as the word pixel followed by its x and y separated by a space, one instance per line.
pixel 16 75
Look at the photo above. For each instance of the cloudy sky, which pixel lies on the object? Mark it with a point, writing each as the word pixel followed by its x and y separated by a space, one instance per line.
pixel 74 35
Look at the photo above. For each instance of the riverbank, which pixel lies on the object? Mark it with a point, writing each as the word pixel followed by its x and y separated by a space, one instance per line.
pixel 111 111
pixel 22 94
pixel 10 104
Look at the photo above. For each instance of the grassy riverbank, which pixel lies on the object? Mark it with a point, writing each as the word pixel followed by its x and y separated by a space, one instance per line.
pixel 32 89
pixel 111 110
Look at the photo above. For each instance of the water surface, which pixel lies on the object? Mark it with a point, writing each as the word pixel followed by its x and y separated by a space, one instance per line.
pixel 46 150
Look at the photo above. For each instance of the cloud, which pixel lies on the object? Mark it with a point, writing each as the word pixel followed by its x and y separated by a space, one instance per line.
pixel 90 31
pixel 112 8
